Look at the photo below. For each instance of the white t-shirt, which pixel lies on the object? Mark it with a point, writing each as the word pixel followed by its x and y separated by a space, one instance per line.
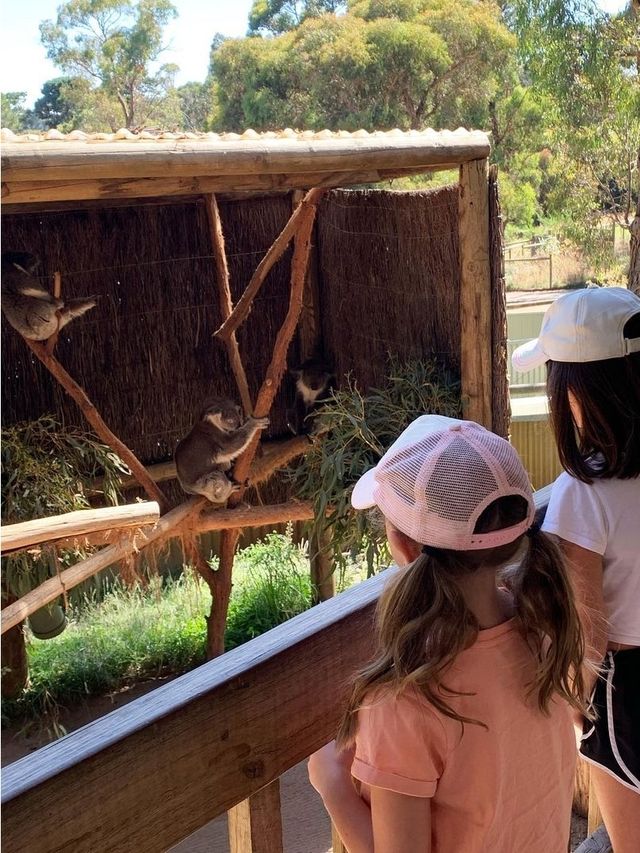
pixel 605 517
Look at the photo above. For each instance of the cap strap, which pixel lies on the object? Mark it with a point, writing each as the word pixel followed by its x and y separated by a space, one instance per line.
pixel 631 345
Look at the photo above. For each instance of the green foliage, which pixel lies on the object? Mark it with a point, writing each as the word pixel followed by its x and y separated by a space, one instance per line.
pixel 139 633
pixel 359 428
pixel 583 64
pixel 195 104
pixel 518 196
pixel 380 65
pixel 46 470
pixel 113 44
pixel 275 586
pixel 279 16
pixel 131 635
pixel 14 114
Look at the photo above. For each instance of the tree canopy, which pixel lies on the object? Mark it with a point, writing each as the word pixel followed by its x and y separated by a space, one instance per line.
pixel 115 45
pixel 381 64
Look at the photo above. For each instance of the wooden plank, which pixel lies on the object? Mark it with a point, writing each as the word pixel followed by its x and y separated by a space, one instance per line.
pixel 54 161
pixel 14 537
pixel 202 743
pixel 170 525
pixel 16 193
pixel 149 774
pixel 337 845
pixel 475 293
pixel 255 824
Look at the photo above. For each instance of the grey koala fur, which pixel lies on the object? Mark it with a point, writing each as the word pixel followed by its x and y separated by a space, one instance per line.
pixel 28 306
pixel 205 455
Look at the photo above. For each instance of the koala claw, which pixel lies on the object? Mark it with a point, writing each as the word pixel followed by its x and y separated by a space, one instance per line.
pixel 261 423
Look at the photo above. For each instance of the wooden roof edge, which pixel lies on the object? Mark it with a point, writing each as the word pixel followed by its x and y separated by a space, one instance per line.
pixel 73 159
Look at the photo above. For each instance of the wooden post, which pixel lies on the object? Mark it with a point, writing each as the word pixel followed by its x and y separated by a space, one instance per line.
pixel 594 817
pixel 475 293
pixel 226 305
pixel 255 824
pixel 15 667
pixel 323 585
pixel 310 333
pixel 337 845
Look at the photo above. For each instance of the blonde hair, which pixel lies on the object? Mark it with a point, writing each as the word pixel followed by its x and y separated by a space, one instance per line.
pixel 423 623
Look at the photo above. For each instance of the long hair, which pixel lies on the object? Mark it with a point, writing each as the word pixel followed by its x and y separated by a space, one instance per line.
pixel 608 393
pixel 423 622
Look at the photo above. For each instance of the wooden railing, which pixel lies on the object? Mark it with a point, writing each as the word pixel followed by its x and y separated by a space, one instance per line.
pixel 217 739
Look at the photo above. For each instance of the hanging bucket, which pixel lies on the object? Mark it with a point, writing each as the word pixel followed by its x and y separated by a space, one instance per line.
pixel 48 622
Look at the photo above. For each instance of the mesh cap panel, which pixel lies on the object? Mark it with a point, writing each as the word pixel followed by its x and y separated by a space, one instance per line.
pixel 435 488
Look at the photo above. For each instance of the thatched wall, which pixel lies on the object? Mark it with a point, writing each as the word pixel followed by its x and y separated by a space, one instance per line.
pixel 389 283
pixel 390 279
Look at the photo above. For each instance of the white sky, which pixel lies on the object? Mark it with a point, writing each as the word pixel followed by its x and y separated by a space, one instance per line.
pixel 24 66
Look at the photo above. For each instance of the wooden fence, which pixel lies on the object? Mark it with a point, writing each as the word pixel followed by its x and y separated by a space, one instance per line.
pixel 217 739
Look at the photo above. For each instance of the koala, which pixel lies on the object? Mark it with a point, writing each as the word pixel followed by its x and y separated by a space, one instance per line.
pixel 314 383
pixel 205 455
pixel 31 309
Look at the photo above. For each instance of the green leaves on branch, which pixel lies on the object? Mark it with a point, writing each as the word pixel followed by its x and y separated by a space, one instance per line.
pixel 359 428
pixel 47 470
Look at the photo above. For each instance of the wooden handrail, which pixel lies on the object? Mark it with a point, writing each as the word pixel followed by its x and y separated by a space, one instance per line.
pixel 147 775
pixel 150 773
pixel 24 534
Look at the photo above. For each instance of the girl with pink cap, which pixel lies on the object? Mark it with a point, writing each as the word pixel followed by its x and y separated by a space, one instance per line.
pixel 458 735
pixel 590 341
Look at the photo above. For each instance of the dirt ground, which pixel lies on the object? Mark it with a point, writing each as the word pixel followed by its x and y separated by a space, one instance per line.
pixel 306 827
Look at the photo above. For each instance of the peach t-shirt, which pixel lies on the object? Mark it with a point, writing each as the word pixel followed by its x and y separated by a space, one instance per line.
pixel 501 790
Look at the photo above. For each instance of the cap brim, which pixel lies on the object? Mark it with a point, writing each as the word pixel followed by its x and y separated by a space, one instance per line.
pixel 362 494
pixel 528 356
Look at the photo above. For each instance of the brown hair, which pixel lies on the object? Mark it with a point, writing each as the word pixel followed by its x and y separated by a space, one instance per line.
pixel 608 393
pixel 423 622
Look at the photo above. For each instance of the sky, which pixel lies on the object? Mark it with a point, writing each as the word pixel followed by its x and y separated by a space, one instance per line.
pixel 24 66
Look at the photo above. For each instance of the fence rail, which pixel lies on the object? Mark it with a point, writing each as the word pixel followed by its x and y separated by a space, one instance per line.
pixel 152 772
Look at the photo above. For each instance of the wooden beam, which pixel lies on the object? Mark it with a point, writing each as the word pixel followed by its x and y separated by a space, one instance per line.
pixel 242 309
pixel 16 193
pixel 15 537
pixel 475 293
pixel 170 525
pixel 255 824
pixel 202 743
pixel 77 393
pixel 69 161
pixel 225 302
pixel 275 454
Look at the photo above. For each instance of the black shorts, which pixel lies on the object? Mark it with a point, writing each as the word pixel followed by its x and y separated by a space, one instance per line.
pixel 613 741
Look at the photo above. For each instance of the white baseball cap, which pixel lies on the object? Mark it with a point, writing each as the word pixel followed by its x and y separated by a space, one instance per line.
pixel 583 325
pixel 437 478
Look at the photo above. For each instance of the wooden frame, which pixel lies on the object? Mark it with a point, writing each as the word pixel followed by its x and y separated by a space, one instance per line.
pixel 210 740
pixel 150 773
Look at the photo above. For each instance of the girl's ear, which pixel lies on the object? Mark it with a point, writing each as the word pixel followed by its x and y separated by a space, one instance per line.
pixel 404 550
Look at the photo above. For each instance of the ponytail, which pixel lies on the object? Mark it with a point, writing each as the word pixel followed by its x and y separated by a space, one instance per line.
pixel 422 624
pixel 550 622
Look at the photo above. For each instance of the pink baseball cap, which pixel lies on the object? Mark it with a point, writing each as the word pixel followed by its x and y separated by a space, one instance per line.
pixel 583 325
pixel 437 478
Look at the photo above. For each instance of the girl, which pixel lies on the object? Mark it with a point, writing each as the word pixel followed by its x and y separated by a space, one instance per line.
pixel 459 730
pixel 590 340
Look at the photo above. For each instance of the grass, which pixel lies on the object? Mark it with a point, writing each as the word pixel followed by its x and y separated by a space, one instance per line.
pixel 141 633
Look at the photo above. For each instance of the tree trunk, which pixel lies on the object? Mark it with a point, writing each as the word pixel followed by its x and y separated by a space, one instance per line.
pixel 15 669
